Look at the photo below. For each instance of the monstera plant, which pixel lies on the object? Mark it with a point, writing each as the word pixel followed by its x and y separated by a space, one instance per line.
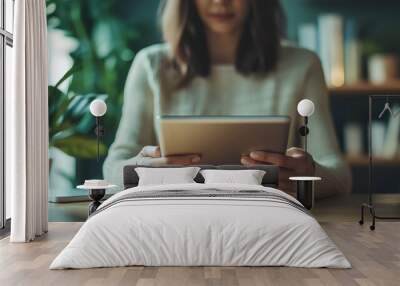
pixel 106 36
pixel 70 122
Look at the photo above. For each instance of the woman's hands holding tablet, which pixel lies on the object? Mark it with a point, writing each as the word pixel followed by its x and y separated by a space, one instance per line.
pixel 296 162
pixel 151 156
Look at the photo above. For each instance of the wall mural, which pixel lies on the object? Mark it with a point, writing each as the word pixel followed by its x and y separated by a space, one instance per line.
pixel 91 47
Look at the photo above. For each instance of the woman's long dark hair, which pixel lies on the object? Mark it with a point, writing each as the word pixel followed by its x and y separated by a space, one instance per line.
pixel 258 49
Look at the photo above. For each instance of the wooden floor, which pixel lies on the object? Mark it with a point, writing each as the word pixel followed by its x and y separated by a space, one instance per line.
pixel 375 257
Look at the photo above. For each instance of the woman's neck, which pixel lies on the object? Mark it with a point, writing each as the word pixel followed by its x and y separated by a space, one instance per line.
pixel 222 47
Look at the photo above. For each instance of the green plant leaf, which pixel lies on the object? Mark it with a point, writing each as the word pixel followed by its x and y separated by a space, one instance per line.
pixel 75 67
pixel 58 105
pixel 79 105
pixel 80 146
pixel 56 99
pixel 107 38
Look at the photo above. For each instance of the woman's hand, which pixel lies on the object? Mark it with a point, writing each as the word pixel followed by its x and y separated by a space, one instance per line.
pixel 151 156
pixel 296 162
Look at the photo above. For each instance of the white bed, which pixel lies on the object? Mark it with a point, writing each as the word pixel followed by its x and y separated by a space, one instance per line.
pixel 209 230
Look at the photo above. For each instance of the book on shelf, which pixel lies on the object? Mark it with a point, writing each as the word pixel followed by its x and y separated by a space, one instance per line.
pixel 331 48
pixel 337 43
pixel 353 139
pixel 378 138
pixel 391 144
pixel 353 54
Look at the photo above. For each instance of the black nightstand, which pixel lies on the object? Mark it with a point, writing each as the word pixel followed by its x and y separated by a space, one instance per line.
pixel 96 194
pixel 305 190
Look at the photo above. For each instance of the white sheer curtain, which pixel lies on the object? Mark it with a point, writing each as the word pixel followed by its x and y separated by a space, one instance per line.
pixel 27 124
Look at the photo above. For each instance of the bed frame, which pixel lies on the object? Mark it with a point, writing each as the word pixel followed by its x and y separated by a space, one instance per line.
pixel 271 178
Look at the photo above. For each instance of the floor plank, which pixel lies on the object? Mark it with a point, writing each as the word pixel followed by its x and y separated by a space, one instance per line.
pixel 375 257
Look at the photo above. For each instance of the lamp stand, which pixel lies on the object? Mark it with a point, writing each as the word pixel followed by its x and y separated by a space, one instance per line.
pixel 304 131
pixel 99 130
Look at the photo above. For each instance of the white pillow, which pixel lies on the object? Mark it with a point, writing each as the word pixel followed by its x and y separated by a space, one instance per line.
pixel 166 176
pixel 247 177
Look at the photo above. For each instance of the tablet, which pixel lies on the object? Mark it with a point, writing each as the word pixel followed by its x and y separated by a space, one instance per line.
pixel 222 139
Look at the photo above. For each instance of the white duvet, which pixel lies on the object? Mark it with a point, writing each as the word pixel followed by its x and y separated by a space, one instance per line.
pixel 200 231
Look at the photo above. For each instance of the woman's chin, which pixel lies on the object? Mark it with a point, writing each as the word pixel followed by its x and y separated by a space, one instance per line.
pixel 222 28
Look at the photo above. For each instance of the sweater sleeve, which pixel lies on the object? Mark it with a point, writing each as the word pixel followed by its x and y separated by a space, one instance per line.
pixel 323 145
pixel 136 126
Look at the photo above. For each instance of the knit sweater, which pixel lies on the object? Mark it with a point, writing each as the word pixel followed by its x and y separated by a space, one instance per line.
pixel 150 91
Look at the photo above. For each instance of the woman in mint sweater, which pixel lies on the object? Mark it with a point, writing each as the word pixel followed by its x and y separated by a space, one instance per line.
pixel 226 57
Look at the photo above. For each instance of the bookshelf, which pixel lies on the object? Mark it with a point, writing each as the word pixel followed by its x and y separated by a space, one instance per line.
pixel 375 31
pixel 349 105
pixel 363 161
pixel 365 88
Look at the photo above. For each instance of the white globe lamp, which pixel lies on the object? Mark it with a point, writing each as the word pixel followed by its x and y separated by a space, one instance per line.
pixel 98 108
pixel 305 108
